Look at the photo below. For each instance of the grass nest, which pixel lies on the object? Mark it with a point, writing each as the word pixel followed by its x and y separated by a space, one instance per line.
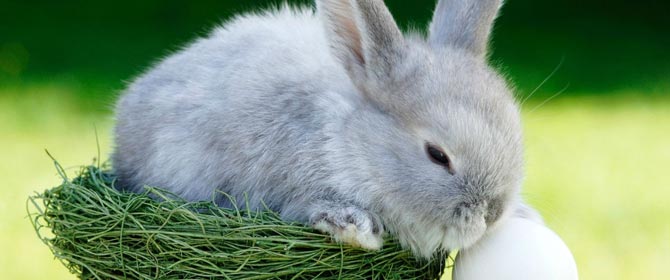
pixel 101 233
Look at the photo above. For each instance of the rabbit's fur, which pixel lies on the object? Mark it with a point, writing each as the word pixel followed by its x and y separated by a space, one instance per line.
pixel 324 116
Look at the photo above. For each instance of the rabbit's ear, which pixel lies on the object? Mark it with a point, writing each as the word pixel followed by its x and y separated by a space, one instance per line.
pixel 464 24
pixel 363 36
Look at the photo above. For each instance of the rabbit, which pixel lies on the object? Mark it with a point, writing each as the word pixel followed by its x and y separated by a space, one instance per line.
pixel 336 119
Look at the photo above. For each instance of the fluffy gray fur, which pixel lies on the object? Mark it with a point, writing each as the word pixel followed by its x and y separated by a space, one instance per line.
pixel 324 117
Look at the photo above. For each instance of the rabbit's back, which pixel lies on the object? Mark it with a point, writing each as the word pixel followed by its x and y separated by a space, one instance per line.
pixel 242 110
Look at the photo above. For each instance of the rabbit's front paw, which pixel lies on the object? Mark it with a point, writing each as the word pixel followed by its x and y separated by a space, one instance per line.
pixel 350 225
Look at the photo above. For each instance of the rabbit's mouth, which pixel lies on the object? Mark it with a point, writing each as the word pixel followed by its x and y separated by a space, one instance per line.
pixel 466 228
pixel 462 228
pixel 443 237
pixel 470 222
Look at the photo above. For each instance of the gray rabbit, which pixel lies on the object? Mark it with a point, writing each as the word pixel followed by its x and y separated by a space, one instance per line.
pixel 336 119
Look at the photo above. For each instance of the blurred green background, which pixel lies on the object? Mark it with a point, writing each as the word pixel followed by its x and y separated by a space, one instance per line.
pixel 597 131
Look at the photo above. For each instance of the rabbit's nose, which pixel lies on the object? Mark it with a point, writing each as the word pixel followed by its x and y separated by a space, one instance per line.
pixel 470 211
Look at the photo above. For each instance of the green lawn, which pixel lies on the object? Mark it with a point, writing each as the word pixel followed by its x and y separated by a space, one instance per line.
pixel 32 119
pixel 596 169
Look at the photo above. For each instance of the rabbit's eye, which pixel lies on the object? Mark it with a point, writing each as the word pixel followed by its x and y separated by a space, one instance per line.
pixel 438 156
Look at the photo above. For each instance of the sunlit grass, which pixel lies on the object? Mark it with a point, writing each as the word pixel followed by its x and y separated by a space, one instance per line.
pixel 596 169
pixel 32 119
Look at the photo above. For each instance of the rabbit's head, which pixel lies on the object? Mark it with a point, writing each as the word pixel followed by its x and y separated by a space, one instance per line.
pixel 445 145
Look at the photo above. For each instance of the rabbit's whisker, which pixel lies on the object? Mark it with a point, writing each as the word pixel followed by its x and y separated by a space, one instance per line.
pixel 553 72
pixel 550 98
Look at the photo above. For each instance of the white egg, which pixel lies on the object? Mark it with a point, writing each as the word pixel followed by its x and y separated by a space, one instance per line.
pixel 519 249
